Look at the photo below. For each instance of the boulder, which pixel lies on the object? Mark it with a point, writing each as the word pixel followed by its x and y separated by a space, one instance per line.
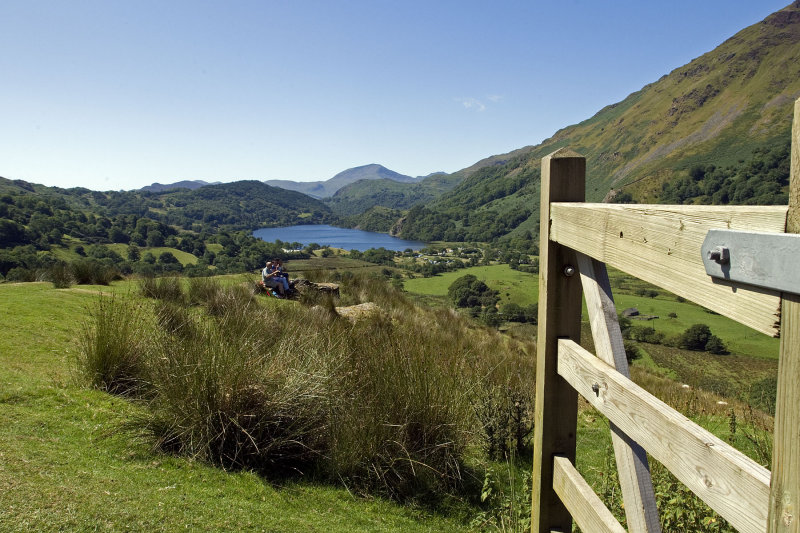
pixel 354 313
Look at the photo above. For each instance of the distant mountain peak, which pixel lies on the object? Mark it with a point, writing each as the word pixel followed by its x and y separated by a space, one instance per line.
pixel 184 184
pixel 324 189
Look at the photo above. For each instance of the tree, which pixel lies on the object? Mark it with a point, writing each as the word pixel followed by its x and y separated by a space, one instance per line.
pixel 696 337
pixel 167 258
pixel 716 346
pixel 134 253
pixel 469 291
pixel 155 238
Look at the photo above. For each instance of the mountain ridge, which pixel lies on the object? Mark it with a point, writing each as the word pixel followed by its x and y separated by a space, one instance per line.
pixel 324 189
pixel 719 109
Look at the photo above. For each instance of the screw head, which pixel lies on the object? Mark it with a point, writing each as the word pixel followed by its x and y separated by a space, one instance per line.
pixel 569 271
pixel 720 255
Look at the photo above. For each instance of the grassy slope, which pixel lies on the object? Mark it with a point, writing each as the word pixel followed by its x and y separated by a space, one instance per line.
pixel 717 110
pixel 514 286
pixel 522 288
pixel 65 466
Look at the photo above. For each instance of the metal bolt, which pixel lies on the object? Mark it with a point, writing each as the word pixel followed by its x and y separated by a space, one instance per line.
pixel 596 389
pixel 569 271
pixel 720 255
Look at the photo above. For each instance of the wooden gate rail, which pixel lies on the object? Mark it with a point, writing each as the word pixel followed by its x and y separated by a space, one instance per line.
pixel 661 245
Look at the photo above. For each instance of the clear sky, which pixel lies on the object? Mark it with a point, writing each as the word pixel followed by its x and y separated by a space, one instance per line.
pixel 117 94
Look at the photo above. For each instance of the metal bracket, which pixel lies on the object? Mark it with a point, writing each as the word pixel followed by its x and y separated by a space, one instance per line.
pixel 770 260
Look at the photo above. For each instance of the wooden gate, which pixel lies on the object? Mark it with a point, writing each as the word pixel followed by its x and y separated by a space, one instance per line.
pixel 660 244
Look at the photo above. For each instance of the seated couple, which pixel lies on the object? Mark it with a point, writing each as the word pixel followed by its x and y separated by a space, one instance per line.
pixel 274 277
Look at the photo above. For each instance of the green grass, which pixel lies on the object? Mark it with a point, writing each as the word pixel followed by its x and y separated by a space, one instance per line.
pixel 65 466
pixel 513 286
pixel 739 339
pixel 185 258
pixel 297 266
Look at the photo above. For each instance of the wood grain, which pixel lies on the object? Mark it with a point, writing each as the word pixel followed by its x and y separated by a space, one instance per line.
pixel 728 481
pixel 784 505
pixel 556 408
pixel 661 245
pixel 587 509
pixel 634 472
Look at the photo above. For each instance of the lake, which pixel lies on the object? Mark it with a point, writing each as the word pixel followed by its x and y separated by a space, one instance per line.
pixel 347 239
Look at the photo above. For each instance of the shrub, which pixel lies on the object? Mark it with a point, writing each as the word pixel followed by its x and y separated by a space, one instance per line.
pixel 230 301
pixel 387 404
pixel 716 346
pixel 645 334
pixel 230 395
pixel 632 351
pixel 21 274
pixel 469 291
pixel 696 337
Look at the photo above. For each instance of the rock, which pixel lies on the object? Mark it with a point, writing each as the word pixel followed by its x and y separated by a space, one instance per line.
pixel 302 285
pixel 354 313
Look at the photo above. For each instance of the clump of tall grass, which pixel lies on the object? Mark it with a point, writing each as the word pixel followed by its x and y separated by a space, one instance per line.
pixel 60 276
pixel 386 404
pixel 405 421
pixel 202 289
pixel 163 288
pixel 113 349
pixel 228 396
pixel 92 272
pixel 230 301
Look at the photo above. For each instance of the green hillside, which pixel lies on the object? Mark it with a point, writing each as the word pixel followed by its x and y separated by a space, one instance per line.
pixel 352 200
pixel 720 111
pixel 362 195
pixel 324 189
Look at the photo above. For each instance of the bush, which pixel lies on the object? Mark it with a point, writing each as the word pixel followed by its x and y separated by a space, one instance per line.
pixel 645 334
pixel 21 275
pixel 716 346
pixel 632 351
pixel 696 337
pixel 469 291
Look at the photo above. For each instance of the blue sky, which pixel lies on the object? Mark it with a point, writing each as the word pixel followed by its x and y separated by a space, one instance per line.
pixel 117 94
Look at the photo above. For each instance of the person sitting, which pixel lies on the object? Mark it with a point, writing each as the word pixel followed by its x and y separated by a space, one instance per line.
pixel 278 265
pixel 270 278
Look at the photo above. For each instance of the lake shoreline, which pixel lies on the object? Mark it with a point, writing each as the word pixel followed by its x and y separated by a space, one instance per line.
pixel 336 237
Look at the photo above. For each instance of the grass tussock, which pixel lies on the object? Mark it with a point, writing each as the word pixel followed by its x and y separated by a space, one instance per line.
pixel 113 351
pixel 167 288
pixel 389 404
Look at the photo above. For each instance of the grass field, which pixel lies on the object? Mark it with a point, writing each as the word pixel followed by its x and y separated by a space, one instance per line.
pixel 523 288
pixel 65 465
pixel 185 258
pixel 513 286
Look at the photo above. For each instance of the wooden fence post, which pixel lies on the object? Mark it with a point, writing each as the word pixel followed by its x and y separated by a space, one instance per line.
pixel 563 180
pixel 784 508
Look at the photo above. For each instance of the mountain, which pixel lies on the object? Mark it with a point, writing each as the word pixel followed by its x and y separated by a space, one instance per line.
pixel 721 110
pixel 185 184
pixel 364 194
pixel 241 205
pixel 323 189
